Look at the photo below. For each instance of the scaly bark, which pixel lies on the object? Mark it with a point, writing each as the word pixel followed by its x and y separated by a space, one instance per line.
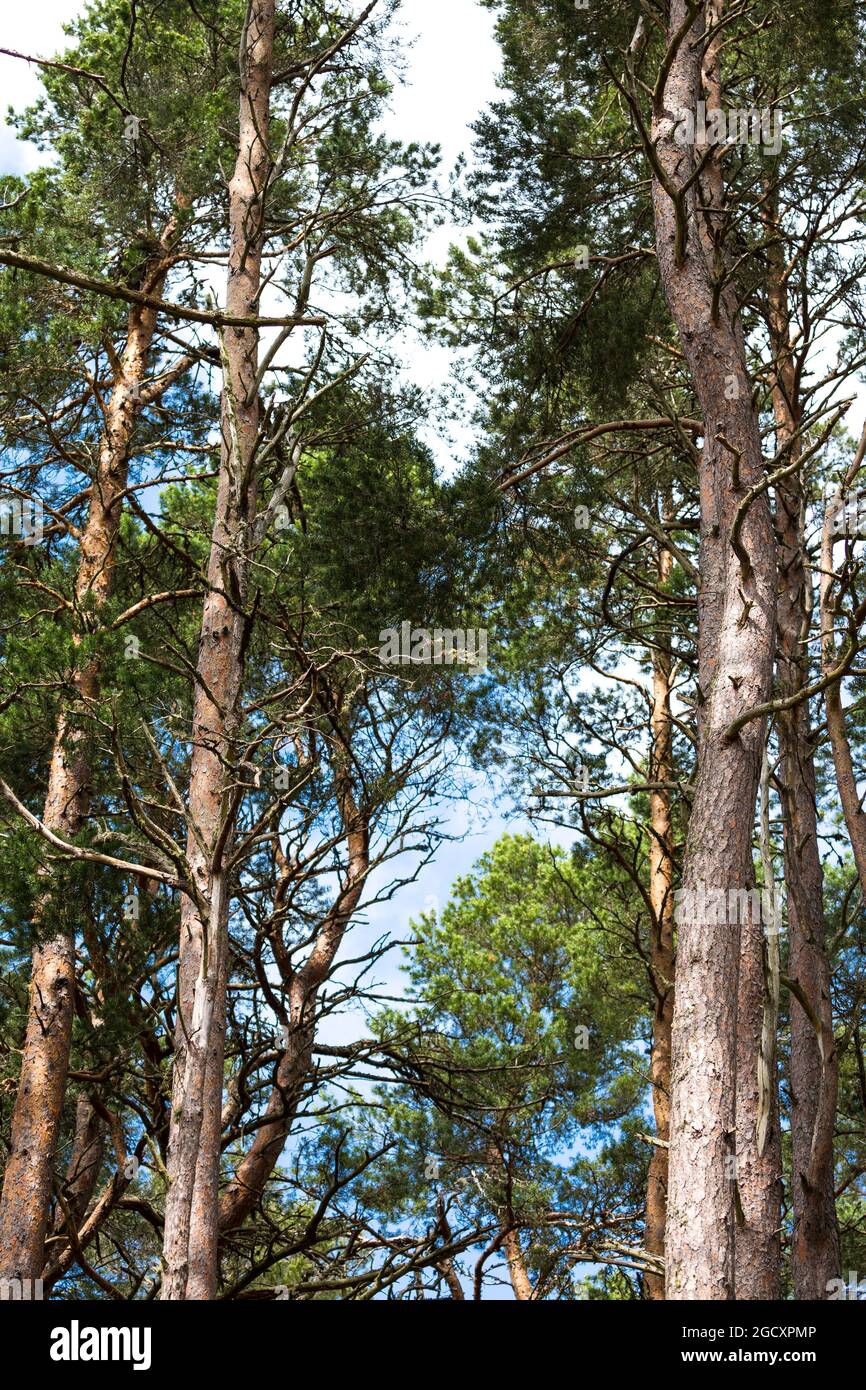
pixel 815 1250
pixel 36 1117
pixel 846 779
pixel 758 1168
pixel 661 890
pixel 190 1245
pixel 738 621
pixel 521 1283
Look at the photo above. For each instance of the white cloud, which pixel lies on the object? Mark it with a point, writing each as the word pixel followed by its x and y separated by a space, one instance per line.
pixel 451 72
pixel 37 31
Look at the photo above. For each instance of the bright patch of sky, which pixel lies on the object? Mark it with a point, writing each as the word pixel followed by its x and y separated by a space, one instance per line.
pixel 450 76
pixel 36 30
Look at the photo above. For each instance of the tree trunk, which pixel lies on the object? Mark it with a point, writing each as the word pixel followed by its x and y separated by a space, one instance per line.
pixel 82 1171
pixel 815 1250
pixel 190 1246
pixel 739 621
pixel 661 887
pixel 36 1117
pixel 846 780
pixel 757 1173
pixel 246 1187
pixel 520 1281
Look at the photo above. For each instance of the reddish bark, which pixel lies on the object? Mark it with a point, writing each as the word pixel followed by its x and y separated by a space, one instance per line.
pixel 661 888
pixel 36 1117
pixel 190 1246
pixel 846 780
pixel 521 1284
pixel 757 1173
pixel 815 1250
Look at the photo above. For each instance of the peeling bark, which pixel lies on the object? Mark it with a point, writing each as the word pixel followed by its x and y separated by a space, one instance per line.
pixel 520 1281
pixel 815 1249
pixel 736 620
pixel 190 1246
pixel 846 779
pixel 757 1173
pixel 661 890
pixel 36 1117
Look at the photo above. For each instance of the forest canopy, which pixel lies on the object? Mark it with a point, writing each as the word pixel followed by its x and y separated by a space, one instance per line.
pixel 289 637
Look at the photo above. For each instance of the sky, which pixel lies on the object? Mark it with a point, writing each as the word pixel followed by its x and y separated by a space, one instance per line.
pixel 35 30
pixel 451 66
pixel 450 77
pixel 450 73
pixel 452 60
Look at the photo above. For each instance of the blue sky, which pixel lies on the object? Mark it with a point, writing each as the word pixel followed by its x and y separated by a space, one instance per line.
pixel 451 65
